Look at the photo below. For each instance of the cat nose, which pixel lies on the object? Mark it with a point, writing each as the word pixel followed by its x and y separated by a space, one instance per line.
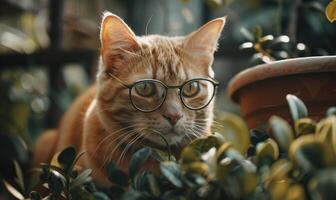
pixel 172 117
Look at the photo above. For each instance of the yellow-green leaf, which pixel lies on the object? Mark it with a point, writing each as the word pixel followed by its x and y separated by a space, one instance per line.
pixel 304 126
pixel 233 129
pixel 197 168
pixel 296 192
pixel 308 152
pixel 190 155
pixel 278 172
pixel 266 150
pixel 330 11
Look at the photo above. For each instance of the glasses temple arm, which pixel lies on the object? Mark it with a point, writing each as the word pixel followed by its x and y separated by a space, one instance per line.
pixel 117 79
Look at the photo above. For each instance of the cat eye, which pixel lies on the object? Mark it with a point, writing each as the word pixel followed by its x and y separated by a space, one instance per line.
pixel 148 95
pixel 191 89
pixel 145 88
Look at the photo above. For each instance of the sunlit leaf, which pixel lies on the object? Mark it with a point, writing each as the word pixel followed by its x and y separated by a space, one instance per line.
pixel 297 107
pixel 171 171
pixel 279 190
pixel 56 183
pixel 330 11
pixel 279 172
pixel 12 190
pixel 203 145
pixel 190 155
pixel 197 168
pixel 233 129
pixel 296 192
pixel 326 132
pixel 19 179
pixel 267 150
pixel 304 126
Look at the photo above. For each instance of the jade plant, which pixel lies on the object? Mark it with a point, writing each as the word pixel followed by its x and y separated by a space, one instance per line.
pixel 287 161
pixel 287 37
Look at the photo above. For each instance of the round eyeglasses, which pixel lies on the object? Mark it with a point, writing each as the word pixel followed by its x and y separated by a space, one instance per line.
pixel 148 95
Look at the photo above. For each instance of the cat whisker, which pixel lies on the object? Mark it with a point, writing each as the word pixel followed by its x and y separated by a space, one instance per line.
pixel 110 135
pixel 108 156
pixel 121 141
pixel 129 146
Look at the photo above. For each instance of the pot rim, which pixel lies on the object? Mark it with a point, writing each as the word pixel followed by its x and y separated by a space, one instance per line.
pixel 280 68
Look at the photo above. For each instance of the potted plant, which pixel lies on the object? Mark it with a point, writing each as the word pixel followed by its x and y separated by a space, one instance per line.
pixel 293 164
pixel 261 90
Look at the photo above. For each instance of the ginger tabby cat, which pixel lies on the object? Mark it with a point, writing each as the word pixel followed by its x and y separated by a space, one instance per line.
pixel 145 86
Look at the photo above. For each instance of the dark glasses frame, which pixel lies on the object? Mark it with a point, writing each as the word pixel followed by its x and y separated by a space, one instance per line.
pixel 179 87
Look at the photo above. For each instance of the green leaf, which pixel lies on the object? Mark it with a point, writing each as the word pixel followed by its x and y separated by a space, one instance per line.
pixel 266 152
pixel 138 159
pixel 12 190
pixel 171 171
pixel 133 194
pixel 34 195
pixel 100 196
pixel 153 185
pixel 19 176
pixel 331 111
pixel 82 178
pixel 115 175
pixel 56 183
pixel 203 145
pixel 322 186
pixel 233 129
pixel 297 108
pixel 67 157
pixel 47 197
pixel 190 155
pixel 304 126
pixel 282 132
pixel 308 152
pixel 161 156
pixel 82 194
pixel 139 181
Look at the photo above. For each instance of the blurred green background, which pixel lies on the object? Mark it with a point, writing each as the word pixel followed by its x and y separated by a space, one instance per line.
pixel 49 48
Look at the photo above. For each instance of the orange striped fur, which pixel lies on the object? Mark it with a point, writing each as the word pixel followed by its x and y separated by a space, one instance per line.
pixel 103 122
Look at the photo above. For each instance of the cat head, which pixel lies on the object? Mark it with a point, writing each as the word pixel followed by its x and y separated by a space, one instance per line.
pixel 172 61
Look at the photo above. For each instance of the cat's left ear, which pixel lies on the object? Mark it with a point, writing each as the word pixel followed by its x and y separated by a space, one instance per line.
pixel 205 39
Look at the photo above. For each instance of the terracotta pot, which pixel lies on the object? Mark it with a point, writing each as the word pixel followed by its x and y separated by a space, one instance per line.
pixel 261 90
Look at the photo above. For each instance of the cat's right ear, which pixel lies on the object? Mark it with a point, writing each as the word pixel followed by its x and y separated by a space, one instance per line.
pixel 116 38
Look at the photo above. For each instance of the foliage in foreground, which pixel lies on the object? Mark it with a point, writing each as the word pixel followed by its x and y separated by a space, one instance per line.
pixel 286 162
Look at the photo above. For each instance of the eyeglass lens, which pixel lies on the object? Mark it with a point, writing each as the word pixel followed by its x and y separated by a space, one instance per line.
pixel 149 95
